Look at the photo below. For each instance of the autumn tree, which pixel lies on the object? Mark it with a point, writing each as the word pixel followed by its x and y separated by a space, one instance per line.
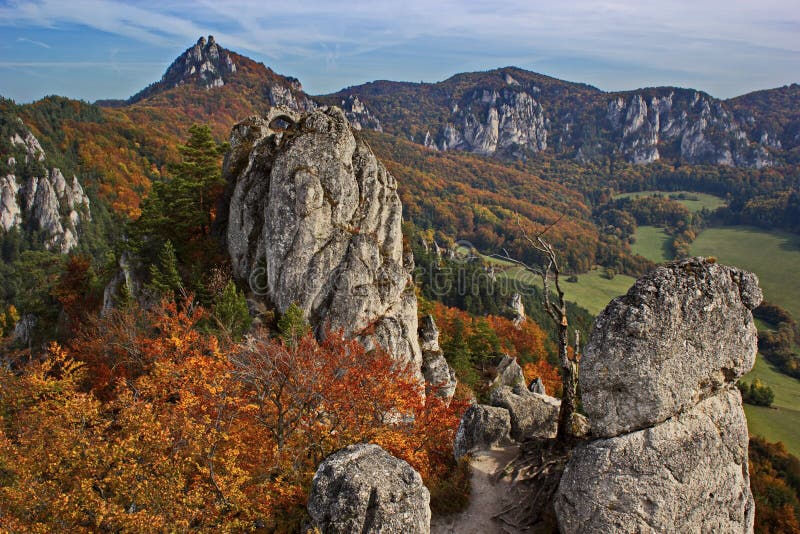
pixel 148 422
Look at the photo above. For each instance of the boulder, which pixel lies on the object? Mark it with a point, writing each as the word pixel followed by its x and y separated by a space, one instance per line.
pixel 509 373
pixel 482 427
pixel 314 219
pixel 680 334
pixel 362 488
pixel 688 474
pixel 532 415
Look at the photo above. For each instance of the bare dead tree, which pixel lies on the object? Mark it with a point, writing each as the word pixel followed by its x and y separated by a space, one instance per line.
pixel 550 272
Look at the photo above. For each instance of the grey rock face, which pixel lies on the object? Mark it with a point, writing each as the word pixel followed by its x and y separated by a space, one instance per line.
pixel 532 415
pixel 682 333
pixel 537 386
pixel 23 330
pixel 688 474
pixel 48 202
pixel 362 488
pixel 703 128
pixel 439 377
pixel 360 117
pixel 482 427
pixel 490 121
pixel 314 219
pixel 517 309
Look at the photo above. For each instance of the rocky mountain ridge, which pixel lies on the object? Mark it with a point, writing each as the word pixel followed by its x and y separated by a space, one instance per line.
pixel 35 197
pixel 514 113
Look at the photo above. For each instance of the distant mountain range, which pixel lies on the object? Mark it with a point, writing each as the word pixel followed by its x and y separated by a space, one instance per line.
pixel 467 151
pixel 514 113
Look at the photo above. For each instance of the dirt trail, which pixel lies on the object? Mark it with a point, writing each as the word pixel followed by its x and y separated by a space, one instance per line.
pixel 487 498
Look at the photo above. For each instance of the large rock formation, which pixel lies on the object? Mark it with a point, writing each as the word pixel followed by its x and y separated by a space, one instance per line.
pixel 488 121
pixel 681 333
pixel 703 128
pixel 657 380
pixel 514 113
pixel 314 219
pixel 205 64
pixel 362 488
pixel 482 427
pixel 35 198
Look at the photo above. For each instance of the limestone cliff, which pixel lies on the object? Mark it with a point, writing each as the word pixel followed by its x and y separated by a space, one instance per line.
pixel 37 198
pixel 314 219
pixel 488 121
pixel 694 127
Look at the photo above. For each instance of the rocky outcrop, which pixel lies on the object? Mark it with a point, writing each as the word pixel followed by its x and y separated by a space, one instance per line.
pixel 314 219
pixel 205 64
pixel 682 333
pixel 362 488
pixel 537 386
pixel 482 427
pixel 360 117
pixel 439 376
pixel 517 310
pixel 533 416
pixel 508 373
pixel 657 380
pixel 33 198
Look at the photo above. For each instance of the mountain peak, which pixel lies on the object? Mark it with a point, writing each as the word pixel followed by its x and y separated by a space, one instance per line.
pixel 205 64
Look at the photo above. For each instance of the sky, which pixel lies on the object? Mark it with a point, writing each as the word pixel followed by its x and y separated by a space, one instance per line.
pixel 92 49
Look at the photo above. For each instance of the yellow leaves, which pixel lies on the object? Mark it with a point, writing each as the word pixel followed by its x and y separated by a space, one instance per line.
pixel 194 436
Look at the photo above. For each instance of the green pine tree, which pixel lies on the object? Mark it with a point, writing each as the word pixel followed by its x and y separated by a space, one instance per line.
pixel 292 324
pixel 181 209
pixel 164 277
pixel 230 312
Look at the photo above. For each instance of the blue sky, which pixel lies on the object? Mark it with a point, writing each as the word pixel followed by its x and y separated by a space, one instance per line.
pixel 94 49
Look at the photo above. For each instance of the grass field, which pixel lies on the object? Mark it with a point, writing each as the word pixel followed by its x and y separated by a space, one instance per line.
pixel 704 200
pixel 781 422
pixel 592 291
pixel 652 243
pixel 773 256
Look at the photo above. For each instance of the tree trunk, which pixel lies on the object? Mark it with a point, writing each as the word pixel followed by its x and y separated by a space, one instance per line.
pixel 569 382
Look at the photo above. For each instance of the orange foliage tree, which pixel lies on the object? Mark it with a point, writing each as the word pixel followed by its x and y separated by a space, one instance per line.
pixel 196 434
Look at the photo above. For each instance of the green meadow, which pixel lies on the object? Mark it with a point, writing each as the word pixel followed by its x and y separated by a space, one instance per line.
pixel 774 256
pixel 694 202
pixel 780 422
pixel 652 243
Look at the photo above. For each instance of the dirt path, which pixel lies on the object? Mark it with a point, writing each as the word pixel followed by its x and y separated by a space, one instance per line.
pixel 487 498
